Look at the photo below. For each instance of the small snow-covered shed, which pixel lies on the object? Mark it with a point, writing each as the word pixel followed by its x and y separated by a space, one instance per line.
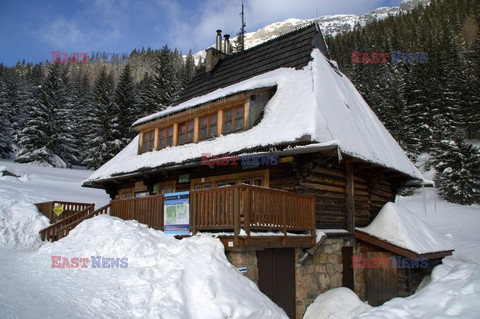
pixel 395 253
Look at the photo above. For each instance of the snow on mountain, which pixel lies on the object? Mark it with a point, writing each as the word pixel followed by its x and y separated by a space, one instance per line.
pixel 331 25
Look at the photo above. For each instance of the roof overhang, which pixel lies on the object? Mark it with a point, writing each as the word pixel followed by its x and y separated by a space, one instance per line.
pixel 375 241
pixel 288 149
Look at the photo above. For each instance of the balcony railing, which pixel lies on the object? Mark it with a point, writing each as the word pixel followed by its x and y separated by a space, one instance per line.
pixel 146 210
pixel 251 209
pixel 243 210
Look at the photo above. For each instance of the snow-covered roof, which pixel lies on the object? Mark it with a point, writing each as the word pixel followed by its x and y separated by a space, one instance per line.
pixel 316 103
pixel 397 225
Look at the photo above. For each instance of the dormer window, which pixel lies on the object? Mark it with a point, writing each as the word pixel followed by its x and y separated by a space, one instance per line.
pixel 233 120
pixel 185 132
pixel 166 137
pixel 148 141
pixel 227 115
pixel 208 126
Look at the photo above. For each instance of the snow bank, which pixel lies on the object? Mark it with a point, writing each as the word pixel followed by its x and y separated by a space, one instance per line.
pixel 165 278
pixel 338 303
pixel 403 228
pixel 454 291
pixel 20 223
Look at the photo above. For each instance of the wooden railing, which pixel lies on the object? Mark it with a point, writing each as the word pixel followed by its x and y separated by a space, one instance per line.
pixel 69 208
pixel 226 209
pixel 146 210
pixel 61 228
pixel 251 208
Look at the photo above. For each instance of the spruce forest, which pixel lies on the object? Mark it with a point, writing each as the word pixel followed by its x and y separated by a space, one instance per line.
pixel 65 114
pixel 431 109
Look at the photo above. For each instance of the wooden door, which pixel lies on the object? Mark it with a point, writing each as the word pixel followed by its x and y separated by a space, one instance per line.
pixel 380 283
pixel 276 272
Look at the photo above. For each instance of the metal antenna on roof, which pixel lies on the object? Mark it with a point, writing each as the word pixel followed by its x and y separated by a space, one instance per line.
pixel 242 30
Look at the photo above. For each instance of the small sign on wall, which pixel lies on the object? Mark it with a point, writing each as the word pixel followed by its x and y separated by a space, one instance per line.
pixel 184 178
pixel 177 213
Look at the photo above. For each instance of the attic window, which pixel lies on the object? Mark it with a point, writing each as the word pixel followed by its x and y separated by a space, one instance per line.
pixel 148 141
pixel 166 137
pixel 208 126
pixel 233 120
pixel 185 132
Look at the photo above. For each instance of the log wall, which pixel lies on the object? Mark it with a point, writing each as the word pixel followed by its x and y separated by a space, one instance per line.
pixel 325 178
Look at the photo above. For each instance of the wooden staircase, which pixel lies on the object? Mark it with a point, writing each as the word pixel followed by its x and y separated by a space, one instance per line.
pixel 73 214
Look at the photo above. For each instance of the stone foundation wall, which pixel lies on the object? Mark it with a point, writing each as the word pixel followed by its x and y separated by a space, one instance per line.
pixel 245 259
pixel 319 273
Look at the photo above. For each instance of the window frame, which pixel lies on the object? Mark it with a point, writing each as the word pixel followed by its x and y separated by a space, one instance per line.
pixel 233 119
pixel 167 134
pixel 208 126
pixel 148 141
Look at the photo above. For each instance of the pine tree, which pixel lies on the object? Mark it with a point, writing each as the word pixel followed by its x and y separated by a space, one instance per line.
pixel 5 137
pixel 126 101
pixel 458 172
pixel 44 140
pixel 188 71
pixel 105 141
pixel 165 78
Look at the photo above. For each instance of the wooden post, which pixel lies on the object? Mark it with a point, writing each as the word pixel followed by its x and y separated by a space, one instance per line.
pixel 196 129
pixel 350 197
pixel 193 211
pixel 236 214
pixel 314 220
pixel 246 199
pixel 175 134
pixel 156 141
pixel 219 122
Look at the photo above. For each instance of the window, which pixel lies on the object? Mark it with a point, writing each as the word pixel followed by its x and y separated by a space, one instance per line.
pixel 166 137
pixel 257 178
pixel 208 126
pixel 185 132
pixel 233 120
pixel 148 141
pixel 142 194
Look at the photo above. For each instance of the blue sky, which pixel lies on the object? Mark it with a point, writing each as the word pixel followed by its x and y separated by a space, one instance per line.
pixel 31 30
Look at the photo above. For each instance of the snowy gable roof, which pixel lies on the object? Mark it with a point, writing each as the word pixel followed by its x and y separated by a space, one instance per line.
pixel 291 50
pixel 315 103
pixel 402 228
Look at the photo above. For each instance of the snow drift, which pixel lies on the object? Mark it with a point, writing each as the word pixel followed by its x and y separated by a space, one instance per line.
pixel 338 303
pixel 399 226
pixel 165 278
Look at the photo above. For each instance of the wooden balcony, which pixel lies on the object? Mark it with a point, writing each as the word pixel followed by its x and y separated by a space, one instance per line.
pixel 255 216
pixel 242 216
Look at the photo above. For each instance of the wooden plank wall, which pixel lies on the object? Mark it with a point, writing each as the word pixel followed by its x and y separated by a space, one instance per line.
pixel 326 179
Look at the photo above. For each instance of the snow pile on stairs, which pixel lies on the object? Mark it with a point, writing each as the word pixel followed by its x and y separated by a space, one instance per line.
pixel 165 277
pixel 20 221
pixel 397 225
pixel 338 303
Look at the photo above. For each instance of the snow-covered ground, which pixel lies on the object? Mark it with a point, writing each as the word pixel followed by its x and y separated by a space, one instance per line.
pixel 155 275
pixel 166 278
pixel 453 290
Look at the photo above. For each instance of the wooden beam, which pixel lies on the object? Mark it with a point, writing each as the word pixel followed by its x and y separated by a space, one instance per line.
pixel 396 249
pixel 350 197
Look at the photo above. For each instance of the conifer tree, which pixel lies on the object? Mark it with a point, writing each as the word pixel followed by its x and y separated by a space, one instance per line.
pixel 126 102
pixel 44 139
pixel 105 140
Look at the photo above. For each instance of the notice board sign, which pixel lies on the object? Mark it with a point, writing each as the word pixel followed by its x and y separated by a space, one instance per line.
pixel 176 212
